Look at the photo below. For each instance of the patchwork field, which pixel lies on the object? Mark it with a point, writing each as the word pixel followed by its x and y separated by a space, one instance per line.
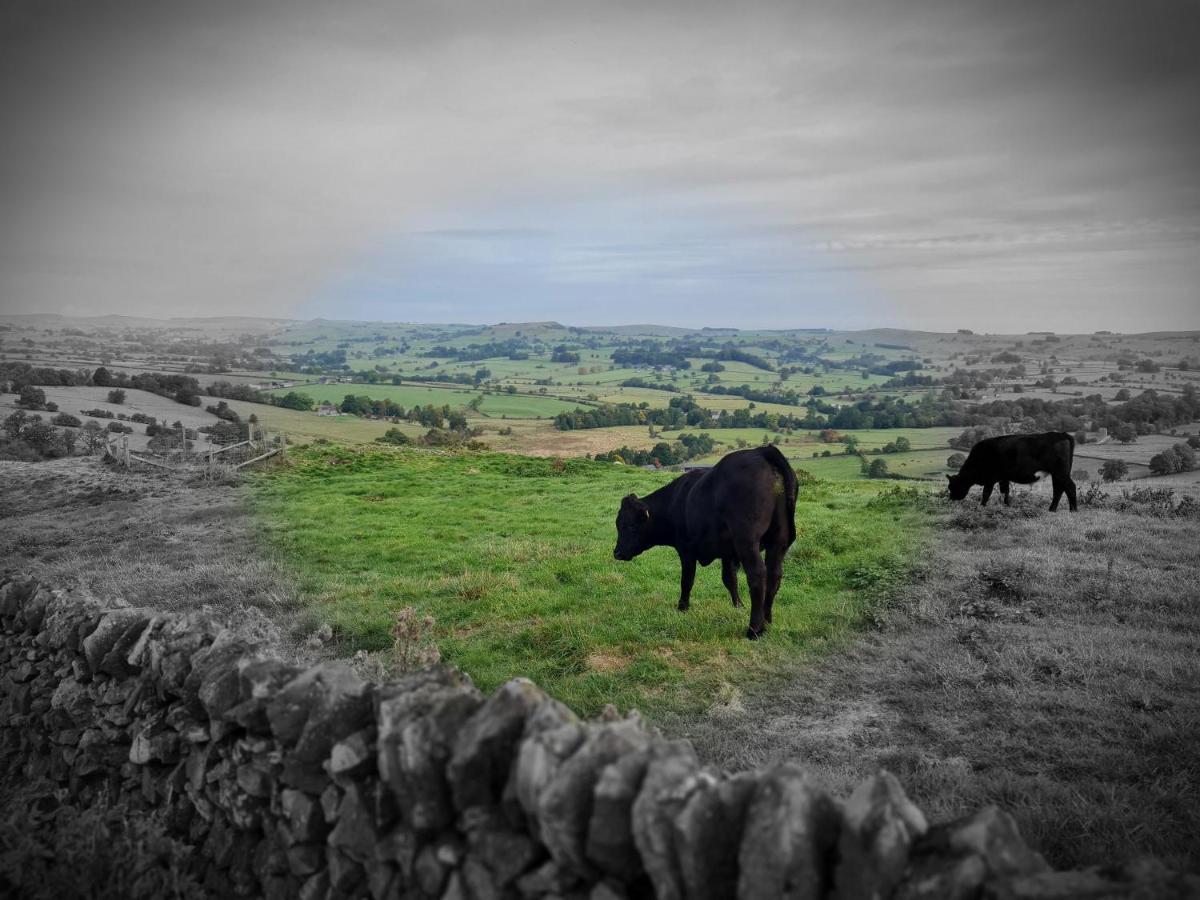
pixel 513 557
pixel 409 395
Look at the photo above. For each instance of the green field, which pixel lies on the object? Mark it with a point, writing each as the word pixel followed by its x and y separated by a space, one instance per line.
pixel 513 557
pixel 409 395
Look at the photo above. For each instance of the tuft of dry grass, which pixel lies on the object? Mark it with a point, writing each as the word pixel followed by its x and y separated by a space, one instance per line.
pixel 1049 663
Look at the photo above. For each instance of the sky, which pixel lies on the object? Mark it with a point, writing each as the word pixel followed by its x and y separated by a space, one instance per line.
pixel 1003 166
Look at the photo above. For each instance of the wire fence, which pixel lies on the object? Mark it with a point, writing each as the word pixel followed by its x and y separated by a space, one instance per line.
pixel 177 450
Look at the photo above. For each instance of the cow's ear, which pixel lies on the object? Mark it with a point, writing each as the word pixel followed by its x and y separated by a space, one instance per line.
pixel 628 500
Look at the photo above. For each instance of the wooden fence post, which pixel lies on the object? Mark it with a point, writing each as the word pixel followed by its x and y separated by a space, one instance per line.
pixel 125 450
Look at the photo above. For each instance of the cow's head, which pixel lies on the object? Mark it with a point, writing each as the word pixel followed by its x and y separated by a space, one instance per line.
pixel 959 486
pixel 633 528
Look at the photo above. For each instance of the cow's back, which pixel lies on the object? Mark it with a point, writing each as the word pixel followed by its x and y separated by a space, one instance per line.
pixel 1020 457
pixel 742 495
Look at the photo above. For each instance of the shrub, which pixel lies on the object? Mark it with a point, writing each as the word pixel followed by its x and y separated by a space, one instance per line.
pixel 31 397
pixel 66 419
pixel 394 436
pixel 116 395
pixel 955 461
pixel 96 413
pixel 119 428
pixel 1114 469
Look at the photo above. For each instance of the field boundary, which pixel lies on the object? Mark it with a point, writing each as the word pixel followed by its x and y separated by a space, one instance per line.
pixel 285 781
pixel 260 443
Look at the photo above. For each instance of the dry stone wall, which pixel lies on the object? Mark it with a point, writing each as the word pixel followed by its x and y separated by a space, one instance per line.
pixel 313 783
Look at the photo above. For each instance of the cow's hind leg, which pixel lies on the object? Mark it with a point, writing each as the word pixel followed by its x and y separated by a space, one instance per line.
pixel 1004 493
pixel 756 577
pixel 729 569
pixel 987 494
pixel 775 555
pixel 1059 488
pixel 687 577
pixel 1066 486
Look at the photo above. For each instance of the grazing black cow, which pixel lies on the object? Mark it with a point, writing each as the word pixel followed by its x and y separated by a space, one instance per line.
pixel 1022 458
pixel 743 505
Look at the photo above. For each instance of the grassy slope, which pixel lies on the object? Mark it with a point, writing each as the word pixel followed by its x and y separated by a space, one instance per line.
pixel 1048 663
pixel 515 561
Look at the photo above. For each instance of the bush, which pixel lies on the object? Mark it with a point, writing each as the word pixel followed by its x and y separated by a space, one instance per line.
pixel 96 413
pixel 118 428
pixel 67 420
pixel 955 461
pixel 116 395
pixel 1114 469
pixel 394 436
pixel 31 397
pixel 877 469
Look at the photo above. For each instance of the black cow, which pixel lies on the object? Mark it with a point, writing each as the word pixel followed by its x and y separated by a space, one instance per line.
pixel 1022 458
pixel 743 505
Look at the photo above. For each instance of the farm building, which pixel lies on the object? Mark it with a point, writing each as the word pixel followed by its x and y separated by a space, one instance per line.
pixel 327 409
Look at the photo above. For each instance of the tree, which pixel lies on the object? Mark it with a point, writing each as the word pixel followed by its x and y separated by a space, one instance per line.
pixel 40 435
pixel 116 396
pixel 66 419
pixel 955 461
pixel 93 436
pixel 294 400
pixel 903 445
pixel 31 397
pixel 1165 463
pixel 102 377
pixel 394 436
pixel 877 469
pixel 1114 469
pixel 14 423
pixel 1125 433
pixel 69 437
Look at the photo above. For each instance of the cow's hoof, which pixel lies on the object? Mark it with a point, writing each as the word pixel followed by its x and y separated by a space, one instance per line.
pixel 753 635
pixel 738 604
pixel 683 607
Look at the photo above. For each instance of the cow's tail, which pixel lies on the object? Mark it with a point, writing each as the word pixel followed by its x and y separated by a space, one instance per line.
pixel 791 487
pixel 1070 452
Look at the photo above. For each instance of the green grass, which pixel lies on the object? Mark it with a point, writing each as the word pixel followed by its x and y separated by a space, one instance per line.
pixel 514 560
pixel 408 395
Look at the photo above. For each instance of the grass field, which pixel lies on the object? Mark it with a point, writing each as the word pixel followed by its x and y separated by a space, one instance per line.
pixel 514 559
pixel 409 395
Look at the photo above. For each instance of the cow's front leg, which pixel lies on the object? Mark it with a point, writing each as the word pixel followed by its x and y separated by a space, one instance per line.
pixel 987 494
pixel 1004 493
pixel 729 576
pixel 756 577
pixel 687 577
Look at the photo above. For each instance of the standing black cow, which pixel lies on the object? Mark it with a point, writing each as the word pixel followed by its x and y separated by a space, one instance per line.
pixel 1022 458
pixel 743 505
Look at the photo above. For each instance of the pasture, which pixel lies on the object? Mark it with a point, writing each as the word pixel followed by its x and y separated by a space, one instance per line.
pixel 513 558
pixel 409 395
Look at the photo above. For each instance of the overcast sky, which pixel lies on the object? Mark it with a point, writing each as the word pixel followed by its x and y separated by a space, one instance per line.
pixel 1002 166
